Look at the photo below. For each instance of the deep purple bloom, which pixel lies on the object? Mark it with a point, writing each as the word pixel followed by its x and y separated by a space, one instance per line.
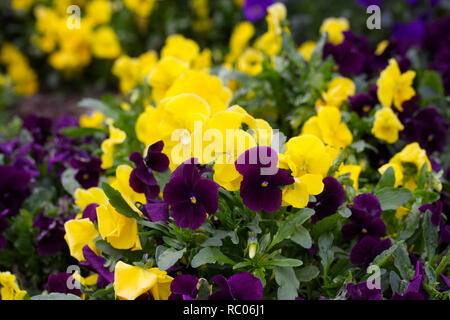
pixel 365 218
pixel 142 179
pixel 3 226
pixel 363 102
pixel 441 63
pixel 51 238
pixel 414 290
pixel 328 202
pixel 255 10
pixel 367 249
pixel 88 170
pixel 260 186
pixel 66 121
pixel 155 159
pixel 90 212
pixel 361 291
pixel 97 264
pixel 428 128
pixel 436 212
pixel 8 147
pixel 241 286
pixel 353 55
pixel 156 210
pixel 39 127
pixel 59 283
pixel 184 287
pixel 406 35
pixel 14 188
pixel 190 196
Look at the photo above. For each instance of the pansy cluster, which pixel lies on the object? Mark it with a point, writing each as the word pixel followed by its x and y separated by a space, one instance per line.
pixel 285 172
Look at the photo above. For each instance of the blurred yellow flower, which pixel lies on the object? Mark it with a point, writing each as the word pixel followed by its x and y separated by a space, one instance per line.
pixel 395 87
pixel 250 62
pixel 339 89
pixel 9 288
pixel 105 44
pixel 116 136
pixel 93 120
pixel 386 125
pixel 80 232
pixel 306 49
pixel 335 28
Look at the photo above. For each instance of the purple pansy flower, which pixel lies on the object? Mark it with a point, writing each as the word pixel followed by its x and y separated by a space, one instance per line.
pixel 414 290
pixel 365 218
pixel 190 196
pixel 427 127
pixel 155 159
pixel 363 102
pixel 361 291
pixel 328 202
pixel 184 287
pixel 14 188
pixel 90 212
pixel 88 170
pixel 255 10
pixel 142 179
pixel 58 283
pixel 51 238
pixel 97 264
pixel 156 210
pixel 437 218
pixel 363 252
pixel 66 121
pixel 260 186
pixel 39 127
pixel 241 286
pixel 406 35
pixel 8 147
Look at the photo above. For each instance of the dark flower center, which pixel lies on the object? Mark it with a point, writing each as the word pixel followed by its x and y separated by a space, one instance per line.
pixel 193 199
pixel 264 184
pixel 364 230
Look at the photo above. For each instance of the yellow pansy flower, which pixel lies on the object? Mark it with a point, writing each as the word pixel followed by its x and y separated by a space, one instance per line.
pixel 164 74
pixel 130 282
pixel 335 28
pixel 239 39
pixel 386 125
pixel 276 13
pixel 395 87
pixel 297 195
pixel 122 184
pixel 203 61
pixel 339 89
pixel 306 49
pixel 116 136
pixel 401 212
pixel 99 11
pixel 105 44
pixel 407 165
pixel 127 70
pixel 80 232
pixel 141 8
pixel 328 127
pixel 205 86
pixel 250 62
pixel 118 230
pixel 147 125
pixel 381 47
pixel 354 171
pixel 269 43
pixel 83 197
pixel 181 48
pixel 147 61
pixel 9 288
pixel 92 120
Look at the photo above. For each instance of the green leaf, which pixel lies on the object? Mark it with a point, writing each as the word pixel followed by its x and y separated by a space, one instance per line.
pixel 391 198
pixel 307 273
pixel 411 224
pixel 167 257
pixel 56 296
pixel 402 262
pixel 326 225
pixel 286 262
pixel 303 216
pixel 154 225
pixel 288 283
pixel 119 203
pixel 210 255
pixel 203 289
pixel 387 179
pixel 105 247
pixel 386 254
pixel 68 181
pixel 430 236
pixel 301 237
pixel 326 252
pixel 345 212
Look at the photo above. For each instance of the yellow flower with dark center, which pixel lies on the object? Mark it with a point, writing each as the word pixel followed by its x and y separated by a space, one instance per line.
pixel 250 62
